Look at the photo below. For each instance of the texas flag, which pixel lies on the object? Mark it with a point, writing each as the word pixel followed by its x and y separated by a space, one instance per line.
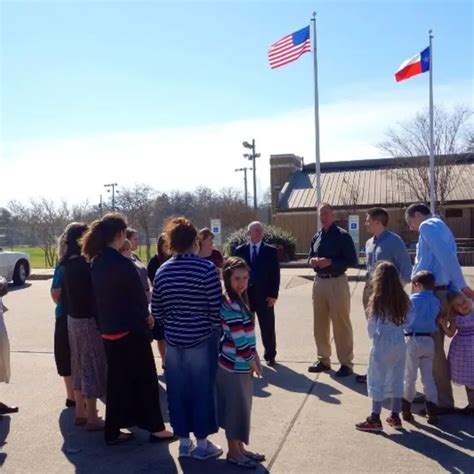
pixel 416 65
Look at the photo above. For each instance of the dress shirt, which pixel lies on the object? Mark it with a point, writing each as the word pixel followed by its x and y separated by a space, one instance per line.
pixel 436 251
pixel 390 247
pixel 425 307
pixel 252 245
pixel 336 244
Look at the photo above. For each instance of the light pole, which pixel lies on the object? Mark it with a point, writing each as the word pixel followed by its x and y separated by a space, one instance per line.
pixel 113 186
pixel 101 207
pixel 245 183
pixel 252 156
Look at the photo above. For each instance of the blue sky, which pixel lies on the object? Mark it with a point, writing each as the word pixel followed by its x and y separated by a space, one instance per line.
pixel 90 75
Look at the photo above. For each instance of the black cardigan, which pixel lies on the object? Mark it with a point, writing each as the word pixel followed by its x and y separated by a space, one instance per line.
pixel 121 302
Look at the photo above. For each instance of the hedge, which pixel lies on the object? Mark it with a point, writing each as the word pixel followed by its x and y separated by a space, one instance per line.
pixel 273 235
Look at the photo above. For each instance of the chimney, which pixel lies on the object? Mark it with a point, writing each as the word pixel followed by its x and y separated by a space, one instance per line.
pixel 281 168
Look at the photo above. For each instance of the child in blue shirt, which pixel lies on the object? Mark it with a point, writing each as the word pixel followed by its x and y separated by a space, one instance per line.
pixel 425 308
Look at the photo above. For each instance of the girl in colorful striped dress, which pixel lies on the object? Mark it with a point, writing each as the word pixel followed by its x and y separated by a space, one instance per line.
pixel 238 361
pixel 460 327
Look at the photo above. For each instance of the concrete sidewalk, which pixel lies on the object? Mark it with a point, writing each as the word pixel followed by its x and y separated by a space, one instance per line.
pixel 303 423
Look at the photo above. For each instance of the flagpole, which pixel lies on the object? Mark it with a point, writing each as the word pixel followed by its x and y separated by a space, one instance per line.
pixel 316 120
pixel 432 161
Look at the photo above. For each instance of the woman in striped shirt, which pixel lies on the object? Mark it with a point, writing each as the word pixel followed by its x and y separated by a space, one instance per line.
pixel 186 300
pixel 238 361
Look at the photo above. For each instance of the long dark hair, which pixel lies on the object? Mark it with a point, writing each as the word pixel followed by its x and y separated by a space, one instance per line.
pixel 230 265
pixel 71 240
pixel 161 248
pixel 389 301
pixel 101 233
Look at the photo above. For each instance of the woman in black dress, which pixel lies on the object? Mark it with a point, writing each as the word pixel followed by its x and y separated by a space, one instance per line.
pixel 124 322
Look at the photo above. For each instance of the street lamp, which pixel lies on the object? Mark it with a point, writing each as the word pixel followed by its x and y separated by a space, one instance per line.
pixel 252 156
pixel 113 186
pixel 245 182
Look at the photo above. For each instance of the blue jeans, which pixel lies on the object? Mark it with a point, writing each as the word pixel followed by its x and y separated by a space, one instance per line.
pixel 191 387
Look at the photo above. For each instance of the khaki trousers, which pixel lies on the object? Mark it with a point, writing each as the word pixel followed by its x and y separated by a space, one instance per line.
pixel 441 371
pixel 332 303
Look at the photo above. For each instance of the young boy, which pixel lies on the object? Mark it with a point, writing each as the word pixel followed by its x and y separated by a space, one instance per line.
pixel 420 345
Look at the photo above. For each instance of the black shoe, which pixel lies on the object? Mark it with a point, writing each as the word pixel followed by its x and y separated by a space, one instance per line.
pixel 419 399
pixel 432 413
pixel 70 403
pixel 344 371
pixel 318 367
pixel 123 437
pixel 271 362
pixel 5 409
pixel 361 378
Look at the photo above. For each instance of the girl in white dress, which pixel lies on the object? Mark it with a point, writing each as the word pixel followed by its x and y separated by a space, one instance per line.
pixel 388 309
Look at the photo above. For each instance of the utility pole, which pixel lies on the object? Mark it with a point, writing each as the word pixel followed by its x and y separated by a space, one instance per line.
pixel 113 186
pixel 101 207
pixel 252 156
pixel 245 183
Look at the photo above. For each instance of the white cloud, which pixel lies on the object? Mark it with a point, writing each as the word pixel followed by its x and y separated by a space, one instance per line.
pixel 184 158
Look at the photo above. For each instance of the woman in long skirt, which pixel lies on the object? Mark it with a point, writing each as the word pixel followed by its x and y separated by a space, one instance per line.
pixel 124 323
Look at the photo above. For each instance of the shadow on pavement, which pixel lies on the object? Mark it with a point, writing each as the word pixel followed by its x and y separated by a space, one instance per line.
pixel 455 429
pixel 449 458
pixel 89 454
pixel 351 383
pixel 12 288
pixel 4 430
pixel 292 381
pixel 215 466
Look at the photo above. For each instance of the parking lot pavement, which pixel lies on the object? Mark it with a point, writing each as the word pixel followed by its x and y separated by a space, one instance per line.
pixel 302 422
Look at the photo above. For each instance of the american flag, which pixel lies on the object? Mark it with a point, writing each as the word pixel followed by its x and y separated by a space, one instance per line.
pixel 289 48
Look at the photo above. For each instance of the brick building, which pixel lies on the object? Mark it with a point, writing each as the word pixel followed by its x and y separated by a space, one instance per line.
pixel 352 187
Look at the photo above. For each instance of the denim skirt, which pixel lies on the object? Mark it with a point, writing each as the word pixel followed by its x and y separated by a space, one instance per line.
pixel 191 387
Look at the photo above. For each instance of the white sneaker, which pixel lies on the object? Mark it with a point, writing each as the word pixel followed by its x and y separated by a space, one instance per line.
pixel 211 451
pixel 186 451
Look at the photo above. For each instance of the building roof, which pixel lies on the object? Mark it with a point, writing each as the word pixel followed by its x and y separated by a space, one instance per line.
pixel 365 183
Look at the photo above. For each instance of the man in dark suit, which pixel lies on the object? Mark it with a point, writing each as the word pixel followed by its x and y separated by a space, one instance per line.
pixel 263 286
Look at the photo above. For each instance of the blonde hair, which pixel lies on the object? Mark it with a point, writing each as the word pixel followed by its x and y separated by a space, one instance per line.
pixel 126 247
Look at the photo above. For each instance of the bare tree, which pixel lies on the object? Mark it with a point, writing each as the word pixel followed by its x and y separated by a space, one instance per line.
pixel 350 197
pixel 41 221
pixel 410 142
pixel 138 204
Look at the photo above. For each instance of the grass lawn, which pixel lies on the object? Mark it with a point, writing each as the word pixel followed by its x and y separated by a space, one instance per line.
pixel 37 255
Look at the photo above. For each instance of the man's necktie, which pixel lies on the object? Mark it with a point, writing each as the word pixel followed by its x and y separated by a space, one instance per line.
pixel 253 259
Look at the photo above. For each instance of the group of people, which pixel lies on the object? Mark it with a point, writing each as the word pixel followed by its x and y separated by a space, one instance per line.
pixel 200 308
pixel 110 306
pixel 407 332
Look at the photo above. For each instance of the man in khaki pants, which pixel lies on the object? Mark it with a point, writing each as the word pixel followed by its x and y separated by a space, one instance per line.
pixel 332 252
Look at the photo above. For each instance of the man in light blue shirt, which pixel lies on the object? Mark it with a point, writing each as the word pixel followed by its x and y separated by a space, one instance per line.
pixel 436 252
pixel 383 245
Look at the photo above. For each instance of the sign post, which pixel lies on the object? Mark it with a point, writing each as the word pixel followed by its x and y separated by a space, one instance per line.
pixel 354 231
pixel 216 229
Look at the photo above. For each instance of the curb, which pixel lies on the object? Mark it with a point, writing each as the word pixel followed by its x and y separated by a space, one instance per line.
pixel 40 276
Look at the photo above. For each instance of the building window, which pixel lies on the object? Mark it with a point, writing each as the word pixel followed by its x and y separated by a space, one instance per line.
pixel 453 213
